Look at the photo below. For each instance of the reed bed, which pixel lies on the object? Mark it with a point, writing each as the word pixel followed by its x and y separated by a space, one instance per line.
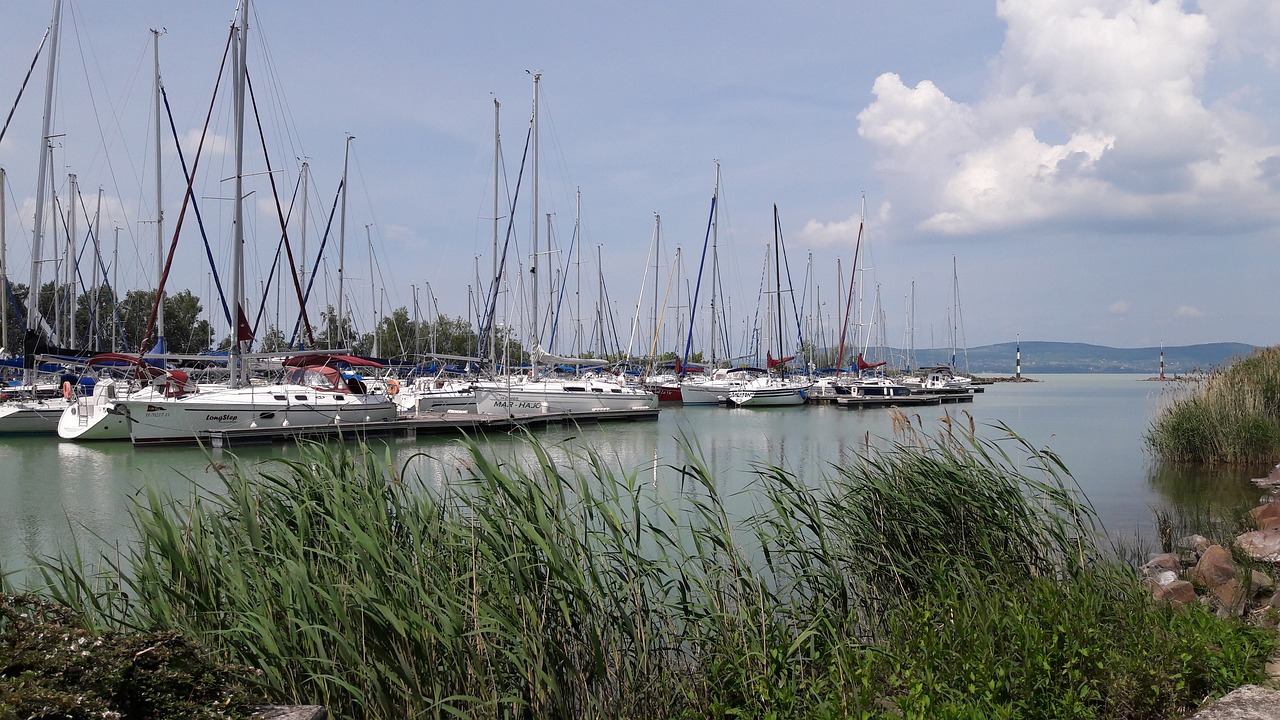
pixel 1232 416
pixel 943 576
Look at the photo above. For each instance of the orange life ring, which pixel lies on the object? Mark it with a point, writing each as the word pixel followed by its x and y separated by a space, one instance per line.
pixel 393 386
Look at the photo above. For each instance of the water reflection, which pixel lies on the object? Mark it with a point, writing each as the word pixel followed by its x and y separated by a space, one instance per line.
pixel 1218 488
pixel 1096 424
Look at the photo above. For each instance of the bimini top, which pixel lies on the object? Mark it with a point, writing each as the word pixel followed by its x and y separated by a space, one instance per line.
pixel 318 360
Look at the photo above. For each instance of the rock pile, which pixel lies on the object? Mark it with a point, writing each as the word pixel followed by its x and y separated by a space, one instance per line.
pixel 1201 571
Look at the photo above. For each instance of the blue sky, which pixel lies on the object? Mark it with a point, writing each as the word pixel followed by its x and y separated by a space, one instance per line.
pixel 1101 172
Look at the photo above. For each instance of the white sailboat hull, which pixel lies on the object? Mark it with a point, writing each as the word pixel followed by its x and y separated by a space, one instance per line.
pixel 191 419
pixel 555 396
pixel 31 417
pixel 764 393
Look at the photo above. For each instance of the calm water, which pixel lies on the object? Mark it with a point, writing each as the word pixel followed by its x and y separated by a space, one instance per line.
pixel 1095 423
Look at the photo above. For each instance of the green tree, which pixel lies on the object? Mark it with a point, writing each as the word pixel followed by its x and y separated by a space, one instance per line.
pixel 184 330
pixel 330 333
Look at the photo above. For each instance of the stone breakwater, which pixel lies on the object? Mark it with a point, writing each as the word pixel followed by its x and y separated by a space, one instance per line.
pixel 1207 572
pixel 1238 580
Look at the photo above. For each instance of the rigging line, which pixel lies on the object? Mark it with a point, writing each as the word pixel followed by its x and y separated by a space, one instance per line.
pixel 753 344
pixel 23 87
pixel 286 129
pixel 315 269
pixel 564 282
pixel 195 206
pixel 693 306
pixel 376 223
pixel 186 199
pixel 106 144
pixel 284 222
pixel 795 309
pixel 848 303
pixel 275 263
pixel 491 304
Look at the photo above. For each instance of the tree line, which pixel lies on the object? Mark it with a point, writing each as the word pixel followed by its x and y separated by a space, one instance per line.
pixel 104 322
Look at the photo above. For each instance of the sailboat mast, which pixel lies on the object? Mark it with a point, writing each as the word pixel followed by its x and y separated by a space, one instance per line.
pixel 37 237
pixel 4 272
pixel 72 289
pixel 160 254
pixel 373 290
pixel 342 240
pixel 537 78
pixel 715 262
pixel 577 283
pixel 95 332
pixel 239 371
pixel 657 252
pixel 957 320
pixel 115 279
pixel 777 275
pixel 497 154
pixel 305 173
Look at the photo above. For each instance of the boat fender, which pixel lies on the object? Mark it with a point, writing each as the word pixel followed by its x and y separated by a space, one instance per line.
pixel 66 389
pixel 393 386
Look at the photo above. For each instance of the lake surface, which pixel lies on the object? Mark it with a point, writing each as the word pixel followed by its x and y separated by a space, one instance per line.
pixel 1095 423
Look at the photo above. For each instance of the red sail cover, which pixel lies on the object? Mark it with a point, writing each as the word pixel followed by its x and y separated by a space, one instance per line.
pixel 771 363
pixel 864 365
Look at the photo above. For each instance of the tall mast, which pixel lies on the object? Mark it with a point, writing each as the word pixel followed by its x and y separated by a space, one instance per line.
pixel 155 36
pixel 777 275
pixel 239 372
pixel 373 289
pixel 70 334
pixel 715 261
pixel 657 252
pixel 537 77
pixel 4 273
pixel 37 237
pixel 497 154
pixel 305 172
pixel 115 278
pixel 95 331
pixel 342 238
pixel 577 283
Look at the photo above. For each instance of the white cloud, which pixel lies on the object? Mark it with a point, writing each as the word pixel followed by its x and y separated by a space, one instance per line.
pixel 819 234
pixel 1247 27
pixel 1095 113
pixel 1188 311
pixel 215 145
pixel 1119 307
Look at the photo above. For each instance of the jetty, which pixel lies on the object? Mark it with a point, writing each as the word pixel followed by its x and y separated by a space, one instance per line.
pixel 424 424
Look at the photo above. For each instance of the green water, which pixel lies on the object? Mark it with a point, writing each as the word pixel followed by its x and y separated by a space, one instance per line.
pixel 50 490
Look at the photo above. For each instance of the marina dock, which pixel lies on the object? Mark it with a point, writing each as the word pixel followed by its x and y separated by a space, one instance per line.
pixel 424 424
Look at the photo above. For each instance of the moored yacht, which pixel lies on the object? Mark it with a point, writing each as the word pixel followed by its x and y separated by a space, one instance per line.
pixel 313 391
pixel 514 395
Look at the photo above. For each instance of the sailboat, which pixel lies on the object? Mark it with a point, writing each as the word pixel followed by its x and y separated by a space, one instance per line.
pixel 536 393
pixel 711 388
pixel 315 389
pixel 774 387
pixel 37 413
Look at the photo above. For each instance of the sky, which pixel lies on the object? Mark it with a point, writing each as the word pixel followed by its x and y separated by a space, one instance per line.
pixel 1102 171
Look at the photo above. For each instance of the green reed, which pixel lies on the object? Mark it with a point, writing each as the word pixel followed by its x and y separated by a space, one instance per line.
pixel 561 586
pixel 1232 416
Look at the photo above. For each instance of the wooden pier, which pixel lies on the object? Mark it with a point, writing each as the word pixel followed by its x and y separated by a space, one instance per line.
pixel 913 400
pixel 449 423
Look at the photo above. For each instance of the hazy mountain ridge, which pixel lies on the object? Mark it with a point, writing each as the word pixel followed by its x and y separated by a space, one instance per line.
pixel 1064 357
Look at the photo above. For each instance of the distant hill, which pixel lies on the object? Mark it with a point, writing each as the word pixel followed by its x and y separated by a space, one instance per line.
pixel 1060 357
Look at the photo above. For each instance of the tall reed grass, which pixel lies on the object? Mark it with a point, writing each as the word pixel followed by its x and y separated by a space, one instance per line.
pixel 1232 416
pixel 943 576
